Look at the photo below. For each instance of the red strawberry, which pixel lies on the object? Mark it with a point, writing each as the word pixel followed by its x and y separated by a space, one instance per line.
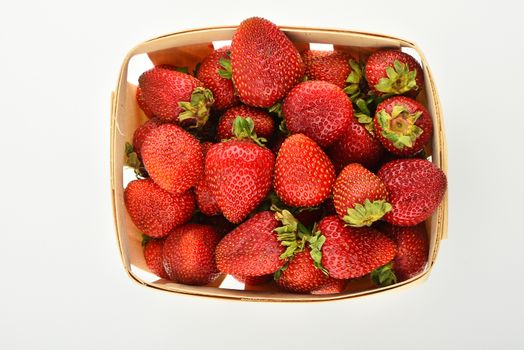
pixel 141 133
pixel 153 256
pixel 356 145
pixel 265 63
pixel 304 174
pixel 142 104
pixel 391 72
pixel 413 250
pixel 173 158
pixel 155 211
pixel 239 172
pixel 189 254
pixel 175 96
pixel 215 73
pixel 359 196
pixel 415 188
pixel 301 275
pixel 204 196
pixel 264 124
pixel 252 249
pixel 254 280
pixel 320 110
pixel 330 66
pixel 403 125
pixel 353 252
pixel 332 286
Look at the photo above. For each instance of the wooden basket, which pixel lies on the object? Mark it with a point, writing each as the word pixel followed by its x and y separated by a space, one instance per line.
pixel 185 49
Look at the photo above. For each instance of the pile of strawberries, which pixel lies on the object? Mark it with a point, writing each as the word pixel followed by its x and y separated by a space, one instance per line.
pixel 306 168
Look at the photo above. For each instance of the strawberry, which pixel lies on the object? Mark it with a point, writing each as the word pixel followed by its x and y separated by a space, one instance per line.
pixel 413 250
pixel 142 104
pixel 173 158
pixel 252 249
pixel 391 72
pixel 356 145
pixel 304 174
pixel 215 73
pixel 318 109
pixel 350 252
pixel 403 125
pixel 359 196
pixel 301 275
pixel 153 257
pixel 332 286
pixel 141 133
pixel 189 254
pixel 330 66
pixel 265 63
pixel 155 211
pixel 175 96
pixel 239 172
pixel 254 280
pixel 264 124
pixel 204 196
pixel 415 188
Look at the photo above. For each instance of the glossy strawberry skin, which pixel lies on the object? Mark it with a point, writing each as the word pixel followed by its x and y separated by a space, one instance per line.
pixel 356 145
pixel 252 249
pixel 320 110
pixel 265 63
pixel 239 173
pixel 264 124
pixel 154 258
pixel 332 286
pixel 204 196
pixel 413 249
pixel 162 89
pixel 353 252
pixel 173 158
pixel 142 103
pixel 188 254
pixel 142 132
pixel 222 88
pixel 329 66
pixel 155 211
pixel 415 189
pixel 301 275
pixel 354 185
pixel 304 174
pixel 378 62
pixel 424 122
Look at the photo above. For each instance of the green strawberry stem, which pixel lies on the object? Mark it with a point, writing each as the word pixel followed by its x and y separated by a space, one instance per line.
pixel 244 128
pixel 354 80
pixel 384 275
pixel 294 236
pixel 198 109
pixel 227 70
pixel 399 126
pixel 134 162
pixel 367 213
pixel 399 81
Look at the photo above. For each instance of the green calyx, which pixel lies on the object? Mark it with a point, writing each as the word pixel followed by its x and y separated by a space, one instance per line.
pixel 145 239
pixel 363 114
pixel 354 80
pixel 198 108
pixel 399 126
pixel 134 162
pixel 384 275
pixel 184 70
pixel 244 128
pixel 227 70
pixel 277 109
pixel 296 237
pixel 367 213
pixel 399 81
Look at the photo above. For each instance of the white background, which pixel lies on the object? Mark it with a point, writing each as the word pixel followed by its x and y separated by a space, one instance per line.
pixel 62 283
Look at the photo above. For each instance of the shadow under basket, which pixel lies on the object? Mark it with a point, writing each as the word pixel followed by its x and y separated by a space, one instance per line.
pixel 186 49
